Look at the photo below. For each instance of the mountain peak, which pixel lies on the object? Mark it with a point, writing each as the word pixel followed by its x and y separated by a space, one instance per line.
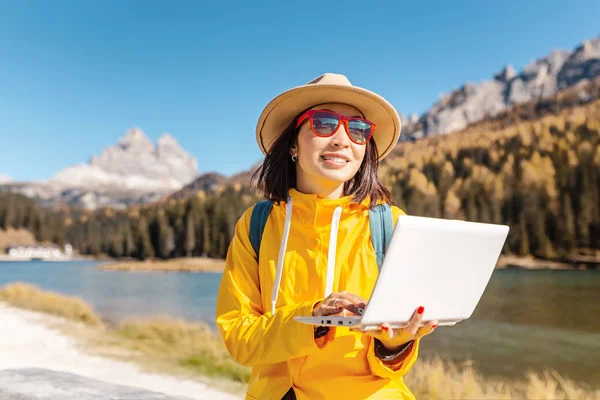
pixel 5 179
pixel 133 164
pixel 135 138
pixel 541 78
pixel 507 74
pixel 167 140
pixel 588 50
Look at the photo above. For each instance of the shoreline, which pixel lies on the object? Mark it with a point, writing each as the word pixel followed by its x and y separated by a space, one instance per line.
pixel 184 264
pixel 30 339
pixel 5 258
pixel 207 265
pixel 531 263
pixel 216 265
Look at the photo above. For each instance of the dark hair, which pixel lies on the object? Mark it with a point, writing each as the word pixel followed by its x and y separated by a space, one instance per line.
pixel 277 173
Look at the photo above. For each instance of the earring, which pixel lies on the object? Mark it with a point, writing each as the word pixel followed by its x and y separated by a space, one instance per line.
pixel 294 158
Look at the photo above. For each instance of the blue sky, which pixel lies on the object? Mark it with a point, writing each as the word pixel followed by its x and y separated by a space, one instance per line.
pixel 75 75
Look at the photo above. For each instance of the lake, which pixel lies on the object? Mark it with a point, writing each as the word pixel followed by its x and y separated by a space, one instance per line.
pixel 525 320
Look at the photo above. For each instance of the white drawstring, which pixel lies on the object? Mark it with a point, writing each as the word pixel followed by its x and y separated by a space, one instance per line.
pixel 335 223
pixel 282 248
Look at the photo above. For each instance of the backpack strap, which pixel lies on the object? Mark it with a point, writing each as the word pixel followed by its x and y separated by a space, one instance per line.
pixel 382 227
pixel 381 222
pixel 258 220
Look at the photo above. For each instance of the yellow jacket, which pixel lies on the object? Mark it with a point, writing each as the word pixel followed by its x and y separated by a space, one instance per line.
pixel 282 352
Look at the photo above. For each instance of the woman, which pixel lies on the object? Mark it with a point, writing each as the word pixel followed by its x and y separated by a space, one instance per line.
pixel 323 142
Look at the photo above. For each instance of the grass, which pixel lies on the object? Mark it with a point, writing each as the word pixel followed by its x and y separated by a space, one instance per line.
pixel 30 297
pixel 177 347
pixel 192 346
pixel 13 236
pixel 438 379
pixel 192 264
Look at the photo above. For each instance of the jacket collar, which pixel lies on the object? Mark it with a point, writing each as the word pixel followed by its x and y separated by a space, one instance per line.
pixel 309 209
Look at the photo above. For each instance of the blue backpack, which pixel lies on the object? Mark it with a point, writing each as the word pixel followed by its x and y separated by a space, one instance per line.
pixel 380 219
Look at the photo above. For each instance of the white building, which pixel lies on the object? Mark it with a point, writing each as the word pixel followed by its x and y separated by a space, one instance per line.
pixel 38 252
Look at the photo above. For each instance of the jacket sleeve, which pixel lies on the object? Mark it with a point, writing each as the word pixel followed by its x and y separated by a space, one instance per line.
pixel 252 335
pixel 383 370
pixel 379 367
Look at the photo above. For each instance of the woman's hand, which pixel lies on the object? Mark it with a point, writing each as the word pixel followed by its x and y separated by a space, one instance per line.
pixel 336 303
pixel 395 338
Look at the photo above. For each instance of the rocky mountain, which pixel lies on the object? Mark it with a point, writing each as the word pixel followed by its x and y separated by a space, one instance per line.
pixel 52 195
pixel 132 171
pixel 212 181
pixel 206 182
pixel 133 164
pixel 244 177
pixel 540 79
pixel 5 179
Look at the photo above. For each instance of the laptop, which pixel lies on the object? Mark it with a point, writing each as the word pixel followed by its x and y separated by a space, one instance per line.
pixel 441 264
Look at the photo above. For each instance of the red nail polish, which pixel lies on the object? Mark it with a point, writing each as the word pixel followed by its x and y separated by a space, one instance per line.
pixel 384 328
pixel 434 326
pixel 420 310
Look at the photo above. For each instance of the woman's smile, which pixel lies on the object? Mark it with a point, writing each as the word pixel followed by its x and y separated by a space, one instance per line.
pixel 335 160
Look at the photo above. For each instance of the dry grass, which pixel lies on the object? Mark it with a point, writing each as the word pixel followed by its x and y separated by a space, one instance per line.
pixel 12 236
pixel 579 261
pixel 32 298
pixel 168 346
pixel 529 262
pixel 181 348
pixel 192 346
pixel 192 264
pixel 437 379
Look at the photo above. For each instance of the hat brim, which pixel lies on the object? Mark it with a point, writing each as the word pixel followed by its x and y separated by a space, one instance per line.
pixel 284 108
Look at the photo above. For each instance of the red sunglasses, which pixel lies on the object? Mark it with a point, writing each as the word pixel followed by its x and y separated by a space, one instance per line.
pixel 325 123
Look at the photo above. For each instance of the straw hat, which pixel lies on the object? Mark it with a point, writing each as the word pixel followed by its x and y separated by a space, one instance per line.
pixel 329 88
